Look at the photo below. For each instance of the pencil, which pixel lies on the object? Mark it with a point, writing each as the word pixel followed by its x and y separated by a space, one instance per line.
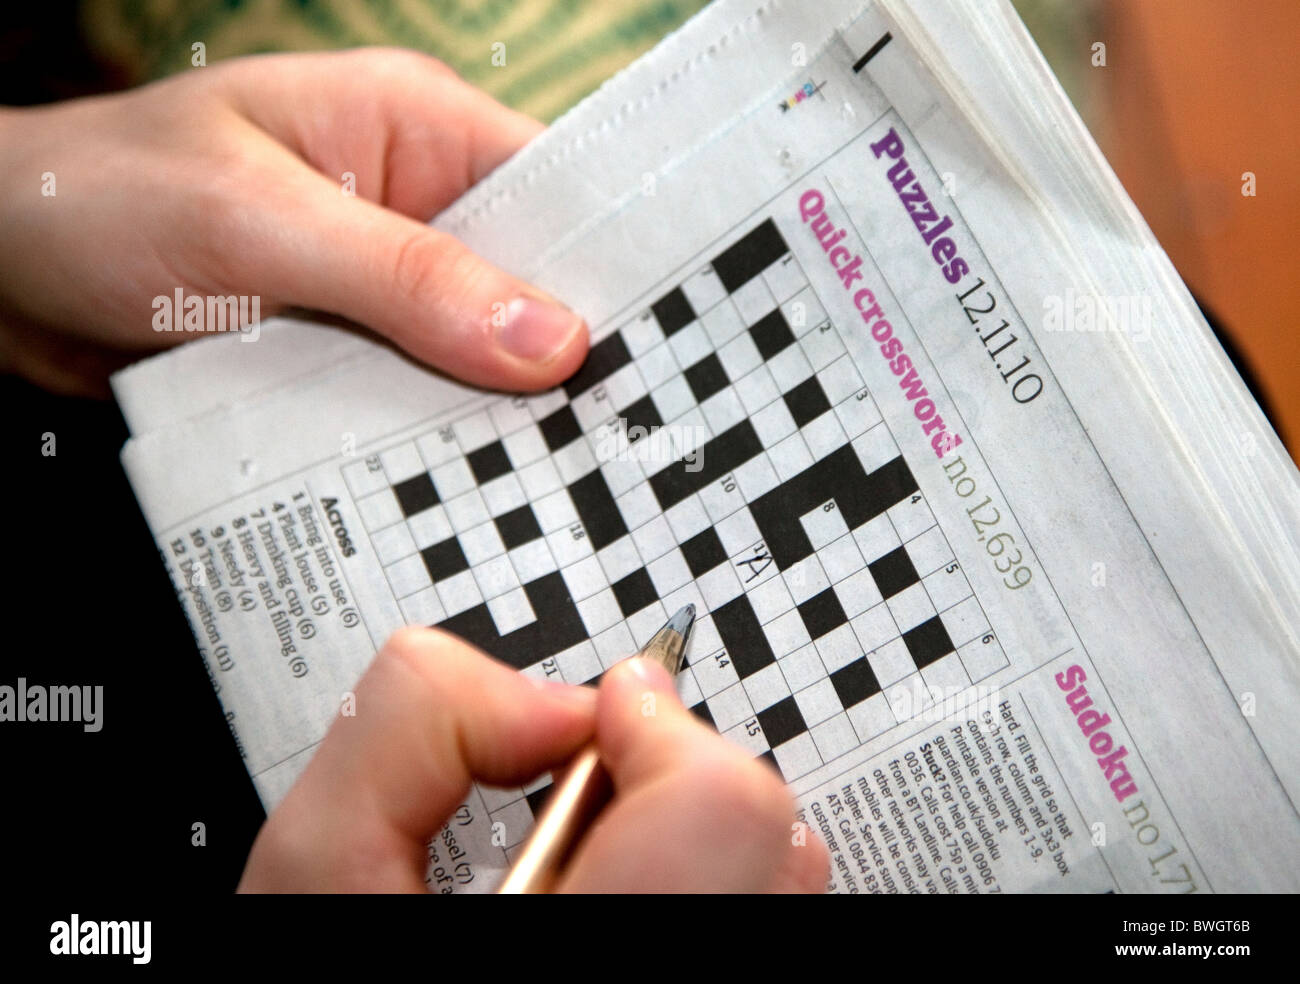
pixel 586 786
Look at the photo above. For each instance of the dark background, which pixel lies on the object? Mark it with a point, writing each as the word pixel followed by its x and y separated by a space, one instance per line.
pixel 87 602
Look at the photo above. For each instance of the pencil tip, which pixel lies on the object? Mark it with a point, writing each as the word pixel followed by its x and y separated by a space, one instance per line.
pixel 682 621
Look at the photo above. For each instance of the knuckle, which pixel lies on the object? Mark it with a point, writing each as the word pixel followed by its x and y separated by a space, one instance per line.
pixel 748 791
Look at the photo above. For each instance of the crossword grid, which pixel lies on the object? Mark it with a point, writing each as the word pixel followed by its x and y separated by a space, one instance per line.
pixel 552 532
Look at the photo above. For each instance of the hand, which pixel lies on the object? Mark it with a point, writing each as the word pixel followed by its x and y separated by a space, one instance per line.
pixel 228 180
pixel 691 811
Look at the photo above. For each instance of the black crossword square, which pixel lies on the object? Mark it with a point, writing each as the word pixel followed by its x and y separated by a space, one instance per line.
pixel 855 683
pixel 673 311
pixel 781 722
pixel 640 417
pixel 518 526
pixel 706 377
pixel 893 572
pixel 701 711
pixel 928 642
pixel 416 494
pixel 489 462
pixel 703 552
pixel 822 613
pixel 538 797
pixel 559 428
pixel 771 334
pixel 444 559
pixel 807 401
pixel 635 592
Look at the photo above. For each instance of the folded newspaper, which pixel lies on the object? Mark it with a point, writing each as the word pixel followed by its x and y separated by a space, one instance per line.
pixel 997 559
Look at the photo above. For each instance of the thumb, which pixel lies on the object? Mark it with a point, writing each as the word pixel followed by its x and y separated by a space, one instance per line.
pixel 421 288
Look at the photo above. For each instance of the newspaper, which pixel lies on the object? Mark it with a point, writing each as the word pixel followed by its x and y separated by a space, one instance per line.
pixel 995 555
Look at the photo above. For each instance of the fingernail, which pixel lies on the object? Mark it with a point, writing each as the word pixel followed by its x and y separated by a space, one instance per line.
pixel 651 674
pixel 536 330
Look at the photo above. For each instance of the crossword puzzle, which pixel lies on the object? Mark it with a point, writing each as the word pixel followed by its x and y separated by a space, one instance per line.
pixel 718 448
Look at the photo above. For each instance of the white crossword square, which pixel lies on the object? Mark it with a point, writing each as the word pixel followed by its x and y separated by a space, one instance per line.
pixel 791 456
pixel 641 334
pixel 645 623
pixel 835 736
pixel 891 663
pixel 740 356
pixel 510 415
pixel 653 539
pixel 946 678
pixel 722 323
pixel 766 687
pixel 429 527
pixel 719 586
pixel 438 447
pixel 474 431
pixel 910 607
pixel 703 289
pixel 857 414
pixel 841 558
pixel 874 627
pixel 638 505
pixel 876 537
pixel 965 621
pixel 687 518
pixel 584 578
pixel 818 702
pixel 679 598
pixel 619 559
pixel 929 551
pixel 770 599
pixel 496 576
pixel 673 398
pixel 579 663
pixel 755 566
pixel 946 587
pixel 789 368
pixel 911 519
pixel 723 410
pixel 532 560
pixel 511 611
pixel 824 525
pixel 503 494
pixel 467 511
pixel 756 390
pixel 713 671
pixel 858 592
pixel 840 381
pixel 838 648
pixel 555 511
pixel 773 424
pixel 784 279
pixel 623 386
pixel 622 475
pixel 591 410
pixel 797 757
pixel 738 533
pixel 392 543
pixel 802 667
pixel 824 435
pixel 721 498
pixel 453 479
pixel 614 645
pixel 401 462
pixel 669 572
pixel 730 707
pixel 657 366
pixel 822 346
pixel 574 460
pixel 704 637
pixel 748 736
pixel 871 717
pixel 379 510
pixel 459 593
pixel 753 300
pixel 875 448
pixel 690 345
pixel 689 432
pixel 422 608
pixel 362 480
pixel 803 310
pixel 408 576
pixel 786 633
pixel 539 478
pixel 806 579
pixel 599 612
pixel 981 658
pixel 567 548
pixel 757 476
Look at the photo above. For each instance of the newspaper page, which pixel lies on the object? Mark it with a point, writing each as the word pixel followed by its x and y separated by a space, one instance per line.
pixel 826 403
